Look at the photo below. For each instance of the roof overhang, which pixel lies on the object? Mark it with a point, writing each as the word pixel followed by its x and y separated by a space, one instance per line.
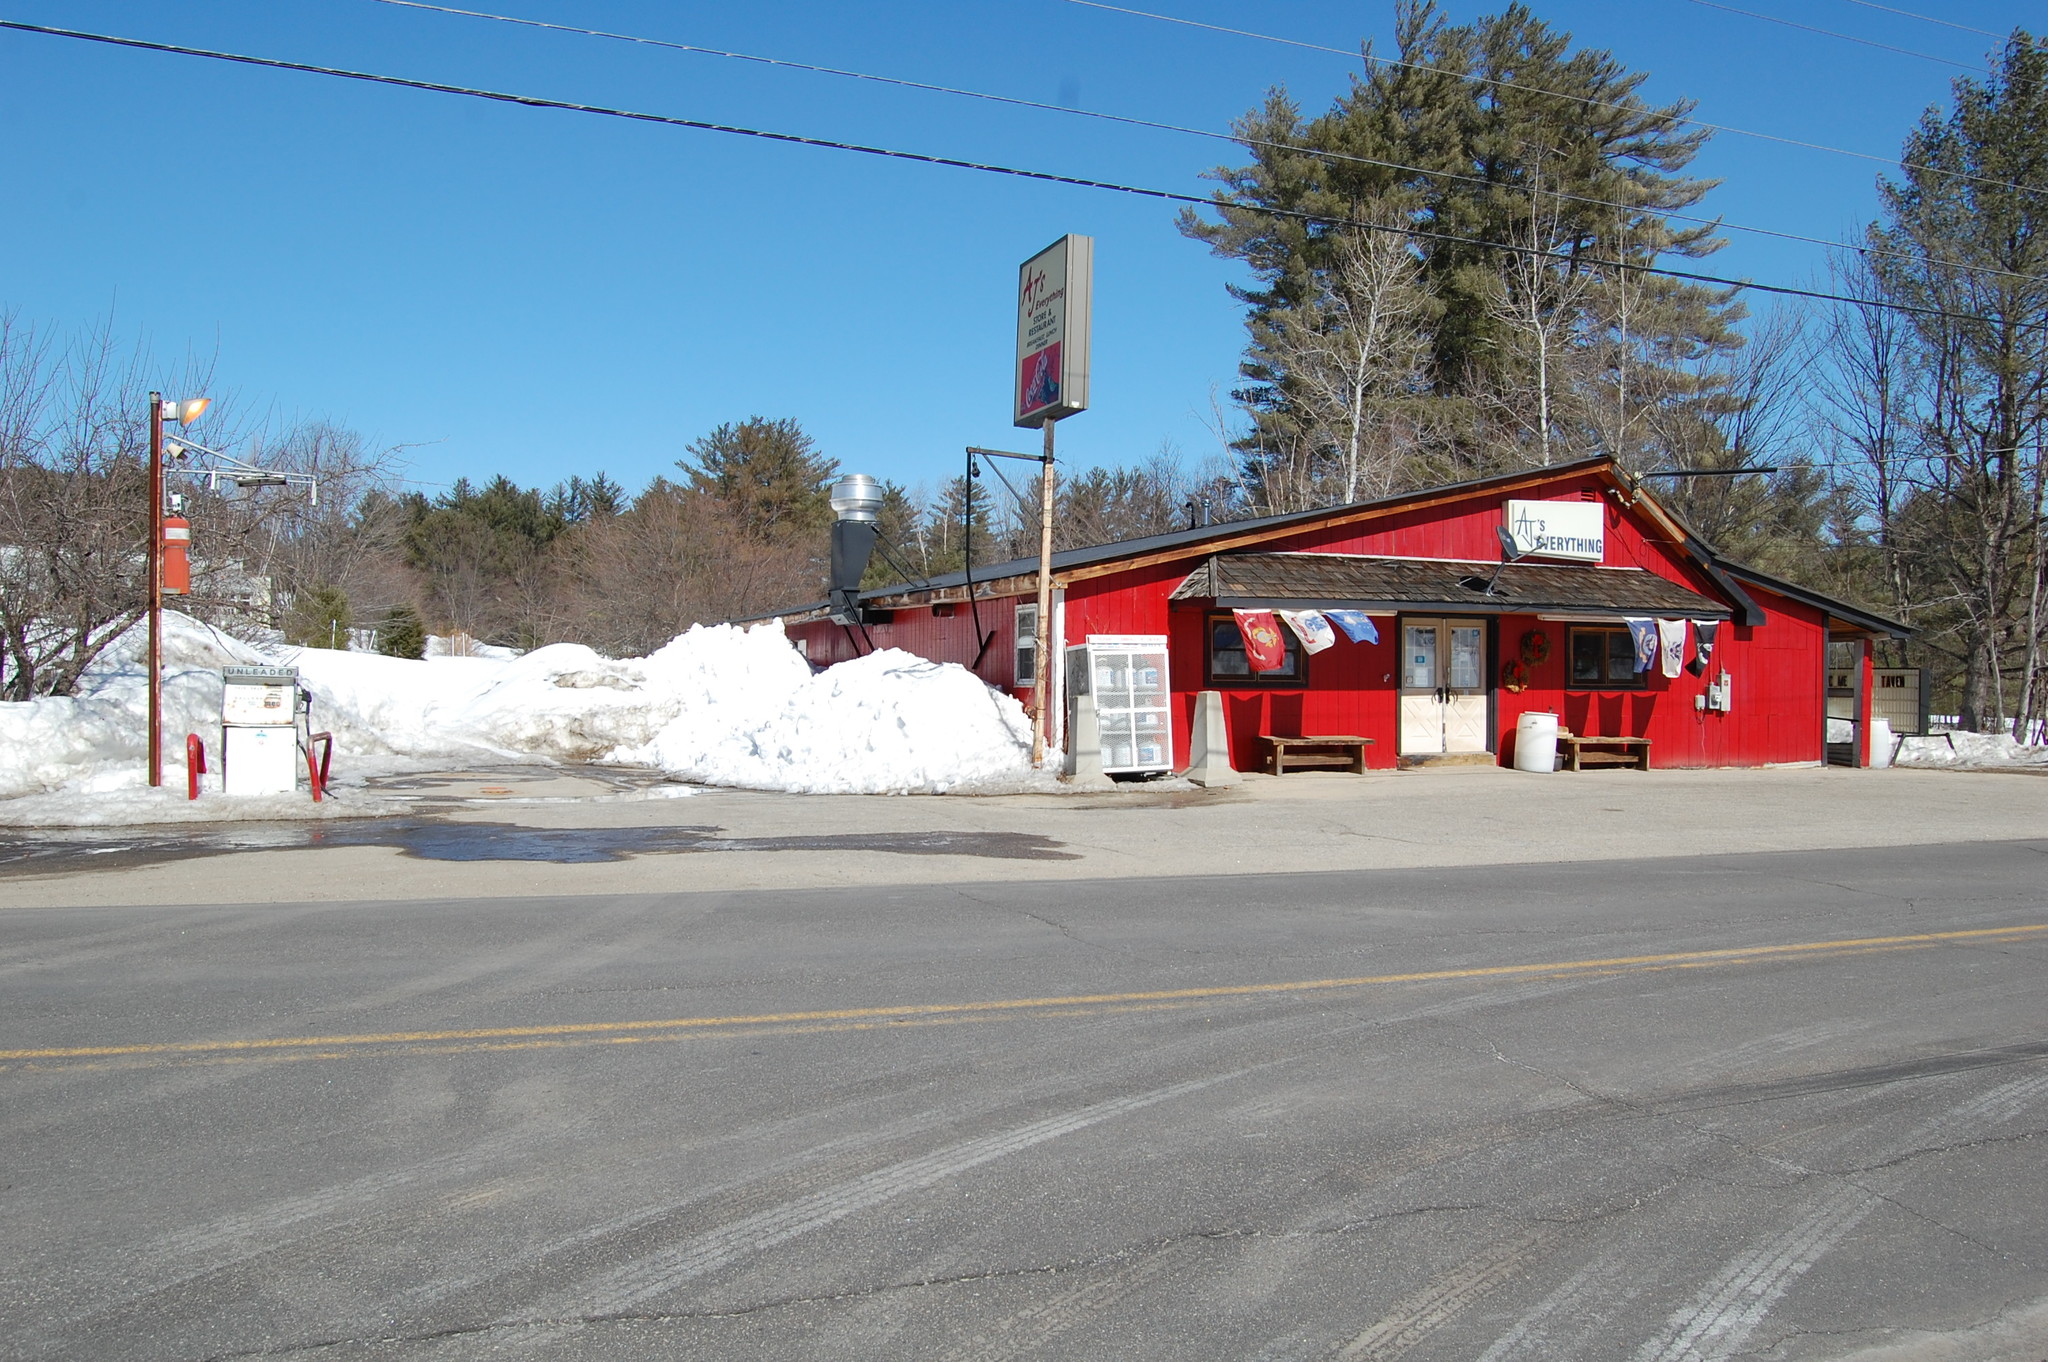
pixel 1385 585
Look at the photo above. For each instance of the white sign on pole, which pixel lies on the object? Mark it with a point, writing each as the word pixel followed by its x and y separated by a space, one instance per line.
pixel 1055 290
pixel 1560 529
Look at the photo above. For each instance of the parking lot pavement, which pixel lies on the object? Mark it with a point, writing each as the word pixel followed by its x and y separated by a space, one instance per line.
pixel 491 847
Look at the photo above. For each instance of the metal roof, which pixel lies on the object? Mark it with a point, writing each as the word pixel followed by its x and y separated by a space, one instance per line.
pixel 1854 616
pixel 1726 574
pixel 1063 559
pixel 1357 582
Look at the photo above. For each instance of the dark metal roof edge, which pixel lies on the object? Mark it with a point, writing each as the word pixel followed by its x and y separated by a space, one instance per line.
pixel 1100 553
pixel 767 615
pixel 1748 613
pixel 1856 615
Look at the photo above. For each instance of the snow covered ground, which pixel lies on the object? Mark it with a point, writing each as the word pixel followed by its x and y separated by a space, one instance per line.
pixel 720 705
pixel 1955 751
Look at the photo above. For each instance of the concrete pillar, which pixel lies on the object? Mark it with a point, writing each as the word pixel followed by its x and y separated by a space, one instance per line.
pixel 1084 745
pixel 1209 744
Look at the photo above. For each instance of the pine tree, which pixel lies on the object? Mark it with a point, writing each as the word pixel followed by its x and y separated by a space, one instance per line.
pixel 769 472
pixel 320 618
pixel 403 633
pixel 1492 141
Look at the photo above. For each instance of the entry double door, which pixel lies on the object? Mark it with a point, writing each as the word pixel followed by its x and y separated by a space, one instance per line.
pixel 1443 686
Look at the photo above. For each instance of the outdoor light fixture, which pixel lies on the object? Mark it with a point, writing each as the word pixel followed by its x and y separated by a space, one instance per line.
pixel 188 411
pixel 857 497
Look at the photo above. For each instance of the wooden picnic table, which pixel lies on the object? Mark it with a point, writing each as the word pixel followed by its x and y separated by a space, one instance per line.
pixel 1586 749
pixel 1316 749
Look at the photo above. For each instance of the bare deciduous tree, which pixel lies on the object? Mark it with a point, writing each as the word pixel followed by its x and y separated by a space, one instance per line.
pixel 74 500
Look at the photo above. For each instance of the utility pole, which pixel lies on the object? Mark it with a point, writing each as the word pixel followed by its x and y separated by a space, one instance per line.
pixel 1041 694
pixel 156 589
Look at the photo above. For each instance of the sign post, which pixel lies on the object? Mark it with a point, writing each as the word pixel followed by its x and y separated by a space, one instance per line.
pixel 1055 296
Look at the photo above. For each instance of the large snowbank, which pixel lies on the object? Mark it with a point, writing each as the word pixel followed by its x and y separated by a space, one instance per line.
pixel 1968 750
pixel 719 705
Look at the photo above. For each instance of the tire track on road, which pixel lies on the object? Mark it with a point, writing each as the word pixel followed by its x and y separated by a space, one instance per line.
pixel 1728 1308
pixel 1032 1327
pixel 633 1284
pixel 1417 1316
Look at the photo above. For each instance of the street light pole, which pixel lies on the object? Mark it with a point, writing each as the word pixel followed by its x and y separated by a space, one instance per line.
pixel 156 588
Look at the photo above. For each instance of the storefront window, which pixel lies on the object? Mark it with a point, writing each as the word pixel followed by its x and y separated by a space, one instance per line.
pixel 1227 664
pixel 1604 658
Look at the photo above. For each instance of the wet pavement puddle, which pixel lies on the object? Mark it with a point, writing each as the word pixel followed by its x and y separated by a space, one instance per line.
pixel 76 850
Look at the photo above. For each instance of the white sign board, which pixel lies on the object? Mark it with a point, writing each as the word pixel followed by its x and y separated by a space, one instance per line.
pixel 1055 290
pixel 1560 529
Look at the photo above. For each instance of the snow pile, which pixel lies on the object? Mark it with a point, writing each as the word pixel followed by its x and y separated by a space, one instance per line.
pixel 886 723
pixel 96 742
pixel 719 705
pixel 1965 751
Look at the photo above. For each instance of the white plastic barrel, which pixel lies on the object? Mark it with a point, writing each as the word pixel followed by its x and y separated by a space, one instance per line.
pixel 1536 741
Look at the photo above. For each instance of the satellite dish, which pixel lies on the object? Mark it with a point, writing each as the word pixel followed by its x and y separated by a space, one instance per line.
pixel 1510 551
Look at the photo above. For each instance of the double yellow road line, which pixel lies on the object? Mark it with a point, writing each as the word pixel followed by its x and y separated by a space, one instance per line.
pixel 913 1014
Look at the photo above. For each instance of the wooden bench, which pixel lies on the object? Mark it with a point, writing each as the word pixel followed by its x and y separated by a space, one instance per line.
pixel 1318 749
pixel 1585 751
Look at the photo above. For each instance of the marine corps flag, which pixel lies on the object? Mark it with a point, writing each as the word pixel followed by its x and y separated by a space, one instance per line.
pixel 1264 649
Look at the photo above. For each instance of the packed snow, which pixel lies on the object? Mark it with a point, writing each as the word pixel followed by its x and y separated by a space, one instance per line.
pixel 719 705
pixel 1970 751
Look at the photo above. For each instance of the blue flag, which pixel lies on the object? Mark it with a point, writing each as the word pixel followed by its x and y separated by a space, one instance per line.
pixel 1356 624
pixel 1644 635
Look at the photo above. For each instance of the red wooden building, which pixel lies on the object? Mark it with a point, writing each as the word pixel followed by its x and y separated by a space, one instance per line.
pixel 1466 641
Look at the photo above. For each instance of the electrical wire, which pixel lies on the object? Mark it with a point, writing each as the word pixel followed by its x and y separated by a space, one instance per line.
pixel 1558 94
pixel 1040 176
pixel 1830 33
pixel 1926 18
pixel 1719 224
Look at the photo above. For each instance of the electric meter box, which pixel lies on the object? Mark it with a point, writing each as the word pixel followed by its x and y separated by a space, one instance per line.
pixel 259 717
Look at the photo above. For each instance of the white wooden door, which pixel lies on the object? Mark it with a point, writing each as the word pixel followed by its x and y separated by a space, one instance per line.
pixel 1443 687
pixel 1464 675
pixel 1422 710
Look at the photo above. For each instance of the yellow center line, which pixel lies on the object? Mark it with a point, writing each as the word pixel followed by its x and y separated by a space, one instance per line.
pixel 1728 955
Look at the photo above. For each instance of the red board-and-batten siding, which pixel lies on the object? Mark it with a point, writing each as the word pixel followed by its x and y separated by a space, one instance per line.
pixel 1778 668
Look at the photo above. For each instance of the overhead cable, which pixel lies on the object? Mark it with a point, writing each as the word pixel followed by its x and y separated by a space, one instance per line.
pixel 1830 33
pixel 1232 138
pixel 1926 18
pixel 1355 55
pixel 1041 176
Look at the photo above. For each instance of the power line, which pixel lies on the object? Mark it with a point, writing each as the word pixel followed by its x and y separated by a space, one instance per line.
pixel 1558 94
pixel 1154 125
pixel 1830 33
pixel 1041 176
pixel 1925 18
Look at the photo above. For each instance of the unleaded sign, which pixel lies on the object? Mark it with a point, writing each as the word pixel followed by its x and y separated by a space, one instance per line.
pixel 1054 292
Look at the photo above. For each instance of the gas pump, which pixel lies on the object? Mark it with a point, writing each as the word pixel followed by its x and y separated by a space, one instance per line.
pixel 261 709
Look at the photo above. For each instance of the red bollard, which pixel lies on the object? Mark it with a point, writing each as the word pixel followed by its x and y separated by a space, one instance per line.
pixel 316 772
pixel 195 764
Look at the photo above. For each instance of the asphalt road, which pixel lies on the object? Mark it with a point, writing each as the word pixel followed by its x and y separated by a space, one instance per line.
pixel 1786 1106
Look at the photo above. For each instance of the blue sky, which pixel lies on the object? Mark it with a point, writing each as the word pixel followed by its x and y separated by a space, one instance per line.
pixel 545 293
